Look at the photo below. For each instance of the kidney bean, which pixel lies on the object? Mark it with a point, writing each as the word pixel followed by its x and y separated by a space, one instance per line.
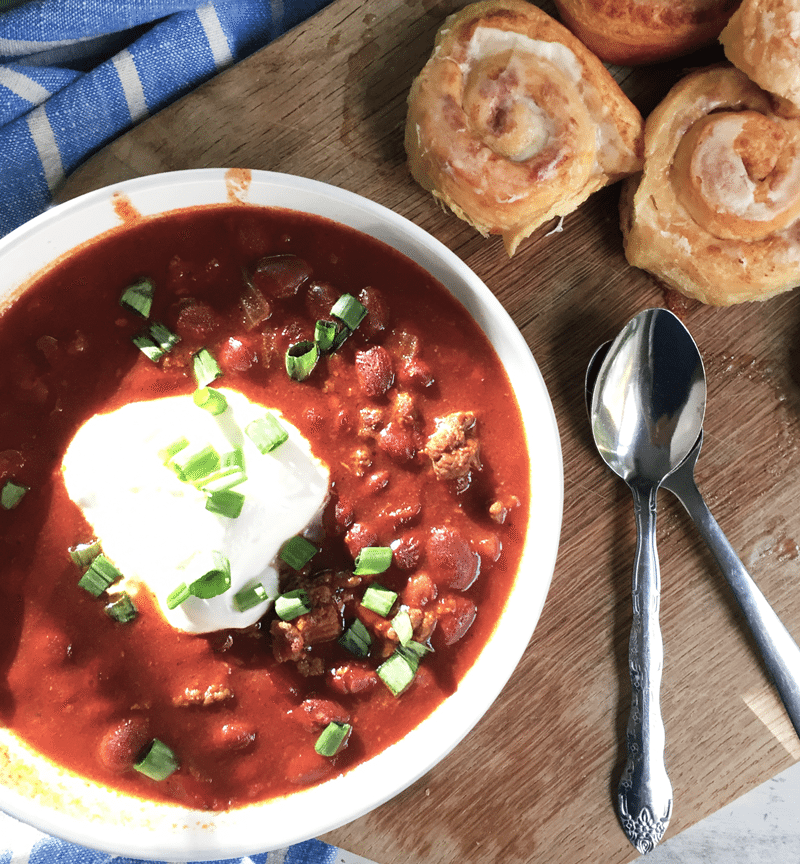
pixel 454 616
pixel 415 371
pixel 123 742
pixel 315 713
pixel 407 551
pixel 196 320
pixel 280 275
pixel 374 370
pixel 398 441
pixel 320 299
pixel 420 590
pixel 236 356
pixel 352 678
pixel 359 537
pixel 451 555
pixel 232 737
pixel 378 314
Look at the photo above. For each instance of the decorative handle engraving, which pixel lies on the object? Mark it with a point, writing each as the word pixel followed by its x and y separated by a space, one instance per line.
pixel 644 797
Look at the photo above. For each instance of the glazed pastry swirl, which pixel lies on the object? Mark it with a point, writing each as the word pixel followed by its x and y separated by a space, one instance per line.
pixel 513 122
pixel 715 213
pixel 762 39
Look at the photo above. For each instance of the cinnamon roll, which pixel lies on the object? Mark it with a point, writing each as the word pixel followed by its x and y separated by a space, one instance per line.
pixel 513 122
pixel 633 32
pixel 716 211
pixel 762 39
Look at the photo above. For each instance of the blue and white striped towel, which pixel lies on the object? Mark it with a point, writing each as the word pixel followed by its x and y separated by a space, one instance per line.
pixel 21 844
pixel 75 74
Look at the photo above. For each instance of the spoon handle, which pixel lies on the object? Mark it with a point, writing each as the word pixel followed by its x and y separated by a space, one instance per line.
pixel 644 796
pixel 779 650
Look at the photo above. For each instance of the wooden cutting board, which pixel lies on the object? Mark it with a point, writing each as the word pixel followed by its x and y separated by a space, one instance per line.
pixel 534 780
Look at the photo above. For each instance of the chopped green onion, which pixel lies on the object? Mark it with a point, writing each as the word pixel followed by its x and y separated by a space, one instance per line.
pixel 378 599
pixel 206 369
pixel 158 762
pixel 266 433
pixel 84 553
pixel 301 358
pixel 139 297
pixel 292 604
pixel 356 639
pixel 349 311
pixel 11 494
pixel 402 626
pixel 397 672
pixel 297 552
pixel 163 336
pixel 210 400
pixel 225 502
pixel 195 463
pixel 221 481
pixel 250 597
pixel 215 575
pixel 166 453
pixel 373 560
pixel 122 609
pixel 178 595
pixel 333 738
pixel 156 341
pixel 414 652
pixel 324 335
pixel 100 575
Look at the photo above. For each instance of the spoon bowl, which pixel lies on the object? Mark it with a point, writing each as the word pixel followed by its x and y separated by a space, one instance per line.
pixel 646 414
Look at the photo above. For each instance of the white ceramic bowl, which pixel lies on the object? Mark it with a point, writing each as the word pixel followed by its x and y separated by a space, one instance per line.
pixel 36 792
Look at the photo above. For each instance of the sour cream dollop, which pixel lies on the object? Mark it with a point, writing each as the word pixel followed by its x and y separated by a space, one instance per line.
pixel 152 524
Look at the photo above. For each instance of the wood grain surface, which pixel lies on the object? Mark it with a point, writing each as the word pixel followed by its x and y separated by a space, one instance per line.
pixel 534 780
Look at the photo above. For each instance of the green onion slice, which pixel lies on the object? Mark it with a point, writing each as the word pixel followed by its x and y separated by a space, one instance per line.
pixel 167 453
pixel 397 672
pixel 215 575
pixel 158 762
pixel 206 369
pixel 401 624
pixel 163 336
pixel 356 639
pixel 210 400
pixel 349 311
pixel 149 348
pixel 301 358
pixel 373 560
pixel 225 502
pixel 324 335
pixel 250 597
pixel 266 433
pixel 378 599
pixel 195 463
pixel 297 552
pixel 221 481
pixel 84 553
pixel 333 738
pixel 11 494
pixel 292 604
pixel 122 609
pixel 178 595
pixel 100 576
pixel 138 297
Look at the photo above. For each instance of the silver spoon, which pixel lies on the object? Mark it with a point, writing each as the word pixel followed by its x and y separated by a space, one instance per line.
pixel 780 651
pixel 647 411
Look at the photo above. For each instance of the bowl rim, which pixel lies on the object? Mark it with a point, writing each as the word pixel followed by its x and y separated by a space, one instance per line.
pixel 169 832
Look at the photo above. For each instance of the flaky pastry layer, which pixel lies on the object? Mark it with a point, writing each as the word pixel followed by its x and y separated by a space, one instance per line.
pixel 716 211
pixel 513 122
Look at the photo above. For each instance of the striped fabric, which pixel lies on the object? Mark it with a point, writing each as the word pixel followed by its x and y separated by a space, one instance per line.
pixel 21 844
pixel 75 74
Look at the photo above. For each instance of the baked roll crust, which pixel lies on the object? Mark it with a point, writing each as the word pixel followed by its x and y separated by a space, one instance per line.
pixel 513 122
pixel 633 32
pixel 762 39
pixel 716 211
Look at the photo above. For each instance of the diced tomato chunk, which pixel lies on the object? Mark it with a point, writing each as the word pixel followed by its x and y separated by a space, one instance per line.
pixel 315 713
pixel 236 356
